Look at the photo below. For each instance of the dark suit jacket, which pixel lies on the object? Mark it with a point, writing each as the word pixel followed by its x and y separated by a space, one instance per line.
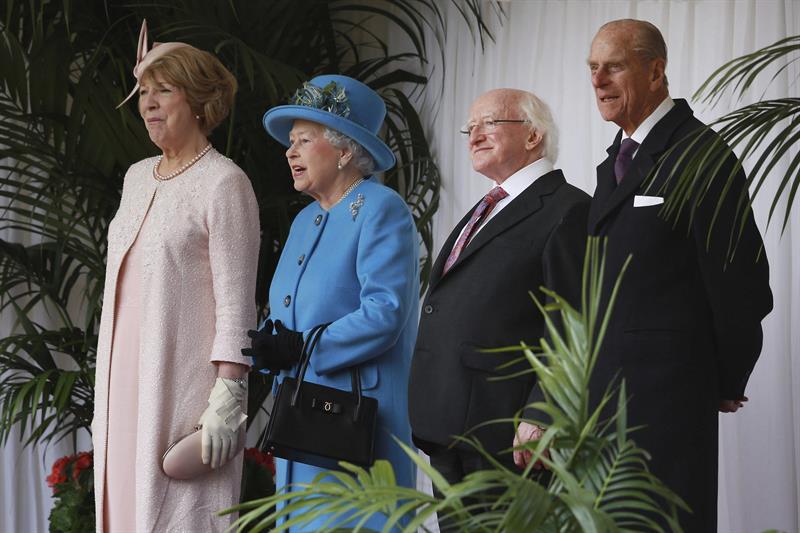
pixel 483 302
pixel 686 328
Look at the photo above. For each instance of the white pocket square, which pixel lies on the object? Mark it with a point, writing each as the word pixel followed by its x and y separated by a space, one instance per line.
pixel 645 201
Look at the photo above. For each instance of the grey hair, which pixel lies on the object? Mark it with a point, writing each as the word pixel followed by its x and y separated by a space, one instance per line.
pixel 538 115
pixel 648 43
pixel 362 160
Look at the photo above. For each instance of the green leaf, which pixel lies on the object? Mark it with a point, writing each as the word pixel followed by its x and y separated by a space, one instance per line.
pixel 599 477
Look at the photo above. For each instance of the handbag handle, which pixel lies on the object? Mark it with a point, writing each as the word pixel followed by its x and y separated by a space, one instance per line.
pixel 305 357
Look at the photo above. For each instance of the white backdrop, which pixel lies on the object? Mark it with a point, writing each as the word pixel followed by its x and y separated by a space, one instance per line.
pixel 25 498
pixel 542 46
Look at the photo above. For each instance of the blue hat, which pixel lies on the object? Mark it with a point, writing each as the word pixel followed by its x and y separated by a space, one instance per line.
pixel 341 103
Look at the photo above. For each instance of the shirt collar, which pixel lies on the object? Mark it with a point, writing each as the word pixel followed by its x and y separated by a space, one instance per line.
pixel 647 124
pixel 522 178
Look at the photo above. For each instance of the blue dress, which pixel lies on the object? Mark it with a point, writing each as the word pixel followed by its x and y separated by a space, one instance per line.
pixel 355 266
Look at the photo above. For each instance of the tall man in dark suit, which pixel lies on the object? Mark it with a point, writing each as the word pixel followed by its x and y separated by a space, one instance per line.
pixel 529 231
pixel 686 329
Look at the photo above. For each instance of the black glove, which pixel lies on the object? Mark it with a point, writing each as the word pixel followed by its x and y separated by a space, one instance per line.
pixel 275 352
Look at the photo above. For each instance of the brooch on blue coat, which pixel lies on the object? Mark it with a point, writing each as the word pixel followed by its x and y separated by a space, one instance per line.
pixel 355 206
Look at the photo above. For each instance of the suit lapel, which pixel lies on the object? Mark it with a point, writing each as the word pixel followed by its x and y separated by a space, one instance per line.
pixel 606 184
pixel 609 197
pixel 640 167
pixel 438 265
pixel 524 205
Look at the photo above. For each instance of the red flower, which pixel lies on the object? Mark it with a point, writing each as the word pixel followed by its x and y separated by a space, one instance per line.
pixel 73 492
pixel 79 463
pixel 84 460
pixel 260 458
pixel 55 479
pixel 59 475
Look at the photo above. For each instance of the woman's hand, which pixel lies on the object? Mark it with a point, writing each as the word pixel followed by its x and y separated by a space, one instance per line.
pixel 221 421
pixel 275 352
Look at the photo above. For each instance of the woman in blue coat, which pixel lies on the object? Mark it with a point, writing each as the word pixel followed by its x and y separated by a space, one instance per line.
pixel 351 259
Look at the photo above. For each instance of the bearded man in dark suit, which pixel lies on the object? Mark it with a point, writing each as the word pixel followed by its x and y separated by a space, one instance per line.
pixel 686 328
pixel 529 231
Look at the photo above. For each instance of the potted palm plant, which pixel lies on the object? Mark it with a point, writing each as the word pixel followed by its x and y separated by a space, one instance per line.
pixel 599 478
pixel 765 132
pixel 65 149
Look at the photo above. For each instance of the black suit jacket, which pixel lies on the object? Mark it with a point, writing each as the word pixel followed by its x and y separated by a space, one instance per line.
pixel 686 328
pixel 483 302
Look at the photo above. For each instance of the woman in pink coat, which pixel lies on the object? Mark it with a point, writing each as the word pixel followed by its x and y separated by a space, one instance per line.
pixel 178 301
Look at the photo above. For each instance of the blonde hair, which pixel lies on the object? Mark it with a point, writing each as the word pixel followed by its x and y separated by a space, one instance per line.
pixel 209 87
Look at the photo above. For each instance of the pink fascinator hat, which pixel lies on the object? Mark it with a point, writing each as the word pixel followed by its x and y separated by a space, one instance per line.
pixel 145 57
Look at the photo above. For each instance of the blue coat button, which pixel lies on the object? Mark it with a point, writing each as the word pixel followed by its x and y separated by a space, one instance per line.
pixel 287 301
pixel 301 259
pixel 318 220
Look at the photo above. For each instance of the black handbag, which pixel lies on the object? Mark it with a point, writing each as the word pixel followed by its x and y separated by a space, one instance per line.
pixel 319 425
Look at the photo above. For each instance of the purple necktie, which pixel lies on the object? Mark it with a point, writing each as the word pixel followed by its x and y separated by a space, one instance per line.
pixel 480 213
pixel 624 158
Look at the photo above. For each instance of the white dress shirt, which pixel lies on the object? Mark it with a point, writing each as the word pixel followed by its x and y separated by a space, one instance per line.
pixel 514 185
pixel 649 123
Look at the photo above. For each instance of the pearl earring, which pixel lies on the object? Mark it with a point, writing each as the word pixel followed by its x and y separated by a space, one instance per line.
pixel 197 117
pixel 339 165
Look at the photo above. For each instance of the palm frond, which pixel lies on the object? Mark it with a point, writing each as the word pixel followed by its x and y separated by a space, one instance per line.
pixel 44 274
pixel 738 75
pixel 765 132
pixel 47 400
pixel 55 190
pixel 65 147
pixel 416 175
pixel 354 493
pixel 600 480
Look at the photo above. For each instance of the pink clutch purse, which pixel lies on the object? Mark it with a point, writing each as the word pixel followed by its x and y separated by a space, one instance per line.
pixel 183 458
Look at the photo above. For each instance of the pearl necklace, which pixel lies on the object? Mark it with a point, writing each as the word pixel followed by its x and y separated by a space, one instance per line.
pixel 181 170
pixel 348 191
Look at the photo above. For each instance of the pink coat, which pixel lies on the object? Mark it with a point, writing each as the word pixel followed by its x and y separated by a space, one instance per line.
pixel 200 236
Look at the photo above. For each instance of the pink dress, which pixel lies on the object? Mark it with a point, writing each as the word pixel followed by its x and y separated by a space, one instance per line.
pixel 123 399
pixel 178 297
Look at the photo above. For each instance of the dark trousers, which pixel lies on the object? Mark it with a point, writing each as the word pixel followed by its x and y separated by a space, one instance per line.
pixel 455 464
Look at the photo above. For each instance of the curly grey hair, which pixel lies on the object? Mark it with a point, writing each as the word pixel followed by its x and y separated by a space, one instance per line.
pixel 363 162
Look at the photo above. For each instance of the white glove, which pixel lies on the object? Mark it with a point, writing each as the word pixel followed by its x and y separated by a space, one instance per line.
pixel 221 421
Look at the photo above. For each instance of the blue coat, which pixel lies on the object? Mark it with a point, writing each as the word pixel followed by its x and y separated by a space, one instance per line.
pixel 358 268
